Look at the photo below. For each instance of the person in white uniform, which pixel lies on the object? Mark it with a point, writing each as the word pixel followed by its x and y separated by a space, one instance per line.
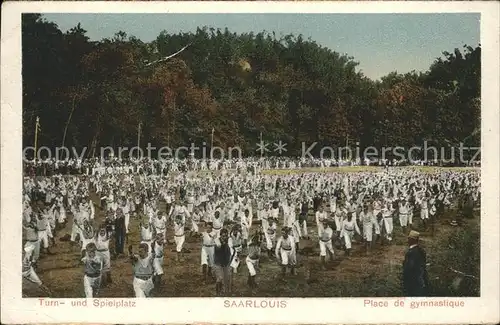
pixel 369 226
pixel 143 270
pixel 146 233
pixel 158 252
pixel 88 235
pixel 28 271
pixel 387 220
pixel 160 224
pixel 424 209
pixel 77 226
pixel 43 229
pixel 93 265
pixel 325 243
pixel 31 236
pixel 404 211
pixel 269 229
pixel 349 227
pixel 252 259
pixel 102 250
pixel 179 236
pixel 217 223
pixel 320 216
pixel 207 251
pixel 235 242
pixel 285 252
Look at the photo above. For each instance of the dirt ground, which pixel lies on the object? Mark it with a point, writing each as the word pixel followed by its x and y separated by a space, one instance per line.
pixel 376 274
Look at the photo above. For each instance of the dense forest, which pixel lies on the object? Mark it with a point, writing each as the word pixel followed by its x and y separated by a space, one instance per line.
pixel 95 93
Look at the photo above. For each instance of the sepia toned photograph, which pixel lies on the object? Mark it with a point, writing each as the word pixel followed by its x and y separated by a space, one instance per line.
pixel 250 162
pixel 251 155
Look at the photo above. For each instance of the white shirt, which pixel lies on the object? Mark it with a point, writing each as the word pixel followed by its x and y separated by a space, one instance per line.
pixel 208 238
pixel 320 216
pixel 326 235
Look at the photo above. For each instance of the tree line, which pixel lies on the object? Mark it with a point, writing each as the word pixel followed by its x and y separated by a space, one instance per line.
pixel 96 93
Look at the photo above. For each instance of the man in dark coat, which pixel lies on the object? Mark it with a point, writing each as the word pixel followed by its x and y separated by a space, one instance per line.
pixel 415 278
pixel 223 256
pixel 303 216
pixel 317 201
pixel 120 232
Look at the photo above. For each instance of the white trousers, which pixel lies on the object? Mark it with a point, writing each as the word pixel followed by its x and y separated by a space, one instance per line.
pixel 35 246
pixel 368 232
pixel 43 238
pixel 376 227
pixel 127 221
pixel 388 225
pixel 244 232
pixel 207 256
pixel 217 232
pixel 403 220
pixel 323 246
pixel 106 259
pixel 338 223
pixel 236 260
pixel 252 265
pixel 269 240
pixel 31 275
pixel 158 265
pixel 287 257
pixel 348 235
pixel 75 230
pixel 296 232
pixel 320 228
pixel 142 288
pixel 62 217
pixel 91 284
pixel 424 214
pixel 179 242
pixel 194 226
pixel 304 228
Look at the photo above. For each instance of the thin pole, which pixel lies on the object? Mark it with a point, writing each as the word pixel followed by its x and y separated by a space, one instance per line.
pixel 262 149
pixel 139 139
pixel 212 139
pixel 37 126
pixel 346 144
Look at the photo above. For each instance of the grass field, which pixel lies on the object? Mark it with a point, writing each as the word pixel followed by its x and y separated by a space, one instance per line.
pixel 356 169
pixel 376 274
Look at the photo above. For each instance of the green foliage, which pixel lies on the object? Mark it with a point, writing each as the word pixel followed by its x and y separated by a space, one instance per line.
pixel 459 252
pixel 290 88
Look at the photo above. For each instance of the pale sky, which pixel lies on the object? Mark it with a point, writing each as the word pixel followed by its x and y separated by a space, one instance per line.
pixel 381 43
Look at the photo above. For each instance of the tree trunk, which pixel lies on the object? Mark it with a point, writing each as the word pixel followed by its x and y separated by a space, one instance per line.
pixel 69 120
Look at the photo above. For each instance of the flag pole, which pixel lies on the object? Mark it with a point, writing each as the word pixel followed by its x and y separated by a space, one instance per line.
pixel 212 139
pixel 37 126
pixel 138 138
pixel 262 151
pixel 347 145
pixel 212 144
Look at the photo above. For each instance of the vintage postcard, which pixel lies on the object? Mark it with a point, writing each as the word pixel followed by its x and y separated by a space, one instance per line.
pixel 250 162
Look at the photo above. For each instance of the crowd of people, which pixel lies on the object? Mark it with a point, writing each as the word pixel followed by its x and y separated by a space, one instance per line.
pixel 238 216
pixel 111 165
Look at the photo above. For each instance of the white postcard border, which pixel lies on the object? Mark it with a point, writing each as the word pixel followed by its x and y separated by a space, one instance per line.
pixel 16 309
